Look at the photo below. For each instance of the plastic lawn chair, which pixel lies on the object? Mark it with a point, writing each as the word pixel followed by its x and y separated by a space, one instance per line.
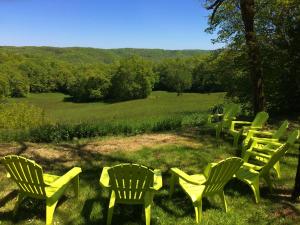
pixel 219 116
pixel 227 119
pixel 33 183
pixel 211 183
pixel 250 173
pixel 131 184
pixel 224 119
pixel 266 146
pixel 264 135
pixel 241 128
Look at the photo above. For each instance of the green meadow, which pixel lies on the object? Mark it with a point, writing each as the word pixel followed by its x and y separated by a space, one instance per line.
pixel 159 104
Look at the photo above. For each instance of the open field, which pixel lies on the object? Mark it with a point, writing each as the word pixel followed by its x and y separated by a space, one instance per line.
pixel 158 105
pixel 189 151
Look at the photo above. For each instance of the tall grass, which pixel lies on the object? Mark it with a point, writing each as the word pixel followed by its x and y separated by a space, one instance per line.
pixel 67 131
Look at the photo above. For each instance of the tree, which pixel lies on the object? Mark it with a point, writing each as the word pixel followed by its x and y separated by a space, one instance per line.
pixel 175 75
pixel 4 86
pixel 91 83
pixel 133 79
pixel 17 84
pixel 248 12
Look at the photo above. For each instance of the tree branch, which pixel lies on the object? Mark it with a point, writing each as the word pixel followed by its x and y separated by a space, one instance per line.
pixel 214 7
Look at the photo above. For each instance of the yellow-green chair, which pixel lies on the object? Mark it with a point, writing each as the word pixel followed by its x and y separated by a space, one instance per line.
pixel 251 171
pixel 32 182
pixel 212 182
pixel 241 128
pixel 269 146
pixel 224 119
pixel 259 135
pixel 131 184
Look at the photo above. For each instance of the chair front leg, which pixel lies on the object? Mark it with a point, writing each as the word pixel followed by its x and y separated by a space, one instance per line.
pixel 111 206
pixel 222 197
pixel 255 188
pixel 277 169
pixel 173 181
pixel 198 210
pixel 76 186
pixel 50 208
pixel 268 180
pixel 147 208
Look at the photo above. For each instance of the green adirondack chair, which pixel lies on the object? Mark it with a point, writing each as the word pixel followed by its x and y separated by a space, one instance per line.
pixel 131 184
pixel 228 117
pixel 268 146
pixel 241 128
pixel 211 183
pixel 250 173
pixel 264 135
pixel 33 183
pixel 229 108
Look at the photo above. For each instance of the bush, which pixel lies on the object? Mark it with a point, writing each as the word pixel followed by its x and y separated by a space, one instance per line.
pixel 134 79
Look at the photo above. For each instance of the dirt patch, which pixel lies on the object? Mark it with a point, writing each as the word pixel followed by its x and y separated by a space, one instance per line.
pixel 138 142
pixel 69 154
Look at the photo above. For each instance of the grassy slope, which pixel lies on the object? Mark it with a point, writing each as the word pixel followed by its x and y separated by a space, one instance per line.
pixel 91 208
pixel 158 105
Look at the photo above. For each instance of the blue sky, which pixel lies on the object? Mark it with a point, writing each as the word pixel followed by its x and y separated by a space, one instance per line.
pixel 167 24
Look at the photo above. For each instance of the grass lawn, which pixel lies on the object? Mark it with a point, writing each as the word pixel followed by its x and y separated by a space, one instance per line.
pixel 189 151
pixel 158 105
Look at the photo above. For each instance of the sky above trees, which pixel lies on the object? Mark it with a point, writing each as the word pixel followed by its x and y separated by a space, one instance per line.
pixel 167 24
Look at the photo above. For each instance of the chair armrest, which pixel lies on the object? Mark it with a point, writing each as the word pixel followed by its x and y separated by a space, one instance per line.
pixel 157 180
pixel 262 133
pixel 185 177
pixel 104 178
pixel 267 141
pixel 268 150
pixel 66 178
pixel 234 122
pixel 210 117
pixel 241 122
pixel 259 154
pixel 258 139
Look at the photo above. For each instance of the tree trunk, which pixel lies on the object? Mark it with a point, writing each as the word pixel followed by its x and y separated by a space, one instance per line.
pixel 248 12
pixel 296 192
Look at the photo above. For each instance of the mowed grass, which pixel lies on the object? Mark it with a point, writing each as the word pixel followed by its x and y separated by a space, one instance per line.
pixel 191 156
pixel 158 105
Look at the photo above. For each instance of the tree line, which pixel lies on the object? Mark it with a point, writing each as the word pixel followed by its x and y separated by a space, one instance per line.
pixel 132 77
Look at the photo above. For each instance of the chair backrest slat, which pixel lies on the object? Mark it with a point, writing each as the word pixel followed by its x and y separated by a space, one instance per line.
pixel 292 137
pixel 231 111
pixel 260 119
pixel 130 181
pixel 221 173
pixel 27 174
pixel 279 153
pixel 281 130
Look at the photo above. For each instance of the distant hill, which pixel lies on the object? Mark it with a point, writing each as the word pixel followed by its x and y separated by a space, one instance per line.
pixel 92 55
